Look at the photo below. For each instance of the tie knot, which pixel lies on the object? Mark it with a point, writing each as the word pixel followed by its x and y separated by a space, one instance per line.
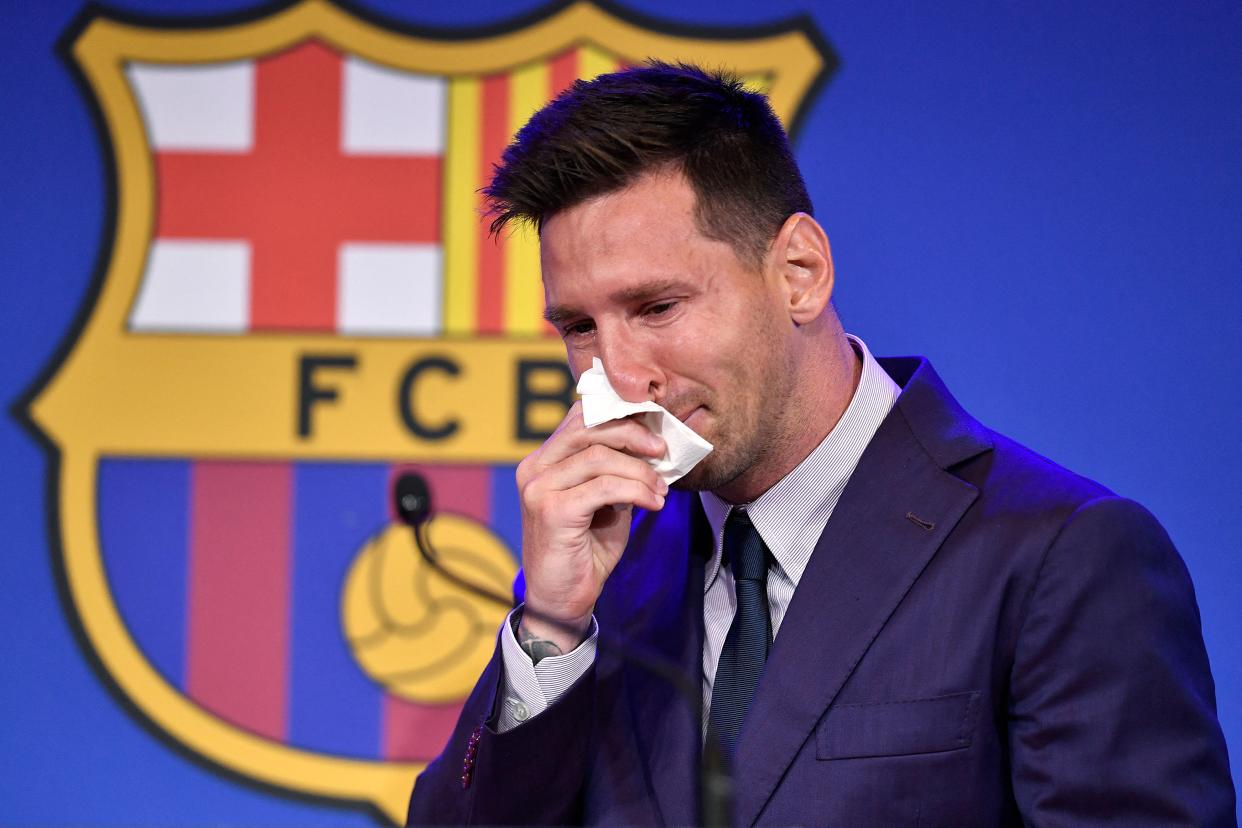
pixel 744 551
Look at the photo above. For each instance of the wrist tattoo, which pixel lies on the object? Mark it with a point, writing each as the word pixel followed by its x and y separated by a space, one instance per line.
pixel 537 648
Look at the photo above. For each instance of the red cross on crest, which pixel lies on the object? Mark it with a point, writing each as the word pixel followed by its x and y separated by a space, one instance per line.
pixel 296 196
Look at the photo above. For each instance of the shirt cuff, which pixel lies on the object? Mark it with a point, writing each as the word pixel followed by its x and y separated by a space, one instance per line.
pixel 529 688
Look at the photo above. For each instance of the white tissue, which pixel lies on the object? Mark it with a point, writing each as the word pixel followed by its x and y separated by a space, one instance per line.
pixel 600 404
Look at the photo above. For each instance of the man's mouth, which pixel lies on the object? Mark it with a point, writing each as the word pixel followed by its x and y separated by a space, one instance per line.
pixel 688 413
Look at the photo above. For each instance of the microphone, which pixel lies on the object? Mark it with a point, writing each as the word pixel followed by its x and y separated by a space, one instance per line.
pixel 411 496
pixel 411 499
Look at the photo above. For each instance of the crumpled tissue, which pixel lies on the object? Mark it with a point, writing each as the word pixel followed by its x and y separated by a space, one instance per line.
pixel 600 404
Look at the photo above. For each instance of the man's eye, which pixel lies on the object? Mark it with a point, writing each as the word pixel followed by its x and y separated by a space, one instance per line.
pixel 659 308
pixel 578 329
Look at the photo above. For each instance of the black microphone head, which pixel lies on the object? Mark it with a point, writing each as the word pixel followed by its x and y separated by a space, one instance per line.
pixel 411 498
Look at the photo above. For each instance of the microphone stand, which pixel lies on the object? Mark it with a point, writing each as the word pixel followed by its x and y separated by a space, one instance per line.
pixel 412 502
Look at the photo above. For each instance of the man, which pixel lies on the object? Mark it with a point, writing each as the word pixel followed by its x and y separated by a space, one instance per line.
pixel 897 616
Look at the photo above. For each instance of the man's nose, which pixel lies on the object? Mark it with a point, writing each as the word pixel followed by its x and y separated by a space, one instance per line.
pixel 630 368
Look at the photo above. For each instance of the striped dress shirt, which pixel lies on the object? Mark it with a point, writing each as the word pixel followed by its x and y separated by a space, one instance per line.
pixel 789 517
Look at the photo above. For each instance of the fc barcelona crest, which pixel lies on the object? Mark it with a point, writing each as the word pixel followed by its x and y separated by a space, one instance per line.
pixel 299 300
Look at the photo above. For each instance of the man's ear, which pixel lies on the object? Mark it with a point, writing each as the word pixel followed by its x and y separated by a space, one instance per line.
pixel 804 259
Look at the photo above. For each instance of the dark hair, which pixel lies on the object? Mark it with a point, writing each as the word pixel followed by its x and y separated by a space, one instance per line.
pixel 601 135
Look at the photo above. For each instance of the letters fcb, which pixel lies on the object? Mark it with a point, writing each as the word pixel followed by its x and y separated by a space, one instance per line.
pixel 543 390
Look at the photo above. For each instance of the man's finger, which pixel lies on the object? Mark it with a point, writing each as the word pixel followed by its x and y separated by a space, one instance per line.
pixel 596 461
pixel 625 435
pixel 611 490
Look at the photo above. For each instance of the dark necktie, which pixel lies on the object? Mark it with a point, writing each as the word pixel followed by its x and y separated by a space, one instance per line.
pixel 746 647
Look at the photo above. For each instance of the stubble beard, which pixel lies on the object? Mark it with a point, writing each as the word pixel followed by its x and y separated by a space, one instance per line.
pixel 743 441
pixel 718 469
pixel 752 436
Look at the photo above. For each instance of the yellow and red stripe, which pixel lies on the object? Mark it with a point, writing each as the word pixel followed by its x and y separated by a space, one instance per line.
pixel 492 285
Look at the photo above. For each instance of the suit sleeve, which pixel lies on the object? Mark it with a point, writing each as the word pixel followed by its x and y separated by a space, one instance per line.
pixel 1112 713
pixel 538 686
pixel 533 774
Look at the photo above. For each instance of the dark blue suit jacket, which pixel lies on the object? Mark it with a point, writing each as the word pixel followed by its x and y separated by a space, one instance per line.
pixel 980 638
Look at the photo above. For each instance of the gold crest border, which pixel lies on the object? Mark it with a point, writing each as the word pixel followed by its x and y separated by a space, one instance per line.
pixel 789 58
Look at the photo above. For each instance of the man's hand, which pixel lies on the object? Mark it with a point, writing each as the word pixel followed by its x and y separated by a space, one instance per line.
pixel 572 537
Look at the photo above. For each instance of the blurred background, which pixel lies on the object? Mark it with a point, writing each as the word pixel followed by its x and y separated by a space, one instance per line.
pixel 244 288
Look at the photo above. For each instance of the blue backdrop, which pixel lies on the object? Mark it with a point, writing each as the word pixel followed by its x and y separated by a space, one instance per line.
pixel 1045 199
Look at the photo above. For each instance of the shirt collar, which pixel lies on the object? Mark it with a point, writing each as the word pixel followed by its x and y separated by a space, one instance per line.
pixel 792 514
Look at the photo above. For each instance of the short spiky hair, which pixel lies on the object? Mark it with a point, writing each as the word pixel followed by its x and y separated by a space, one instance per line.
pixel 601 135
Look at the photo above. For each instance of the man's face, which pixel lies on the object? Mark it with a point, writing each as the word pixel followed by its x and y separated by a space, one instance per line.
pixel 676 318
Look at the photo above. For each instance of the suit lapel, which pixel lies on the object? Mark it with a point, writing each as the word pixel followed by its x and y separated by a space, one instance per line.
pixel 895 512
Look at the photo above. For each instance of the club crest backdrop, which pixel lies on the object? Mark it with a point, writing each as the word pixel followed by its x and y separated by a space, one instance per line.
pixel 247 283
